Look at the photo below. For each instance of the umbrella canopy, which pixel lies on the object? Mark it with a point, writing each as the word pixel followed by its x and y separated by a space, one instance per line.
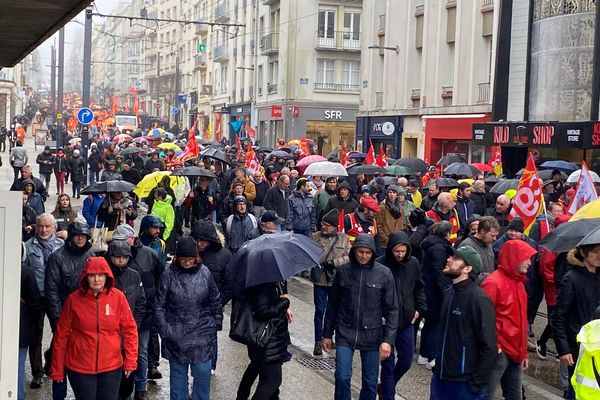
pixel 109 187
pixel 502 186
pixel 193 171
pixel 168 146
pixel 325 168
pixel 362 169
pixel 388 180
pixel 150 181
pixel 491 180
pixel 546 174
pixel 415 164
pixel 130 150
pixel 398 170
pixel 156 132
pixel 141 140
pixel 309 160
pixel 264 149
pixel 567 235
pixel 591 238
pixel 482 167
pixel 75 141
pixel 574 177
pixel 461 169
pixel 559 164
pixel 275 257
pixel 442 183
pixel 281 154
pixel 356 154
pixel 217 154
pixel 122 138
pixel 590 210
pixel 450 159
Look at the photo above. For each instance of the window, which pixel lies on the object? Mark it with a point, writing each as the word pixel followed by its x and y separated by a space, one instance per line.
pixel 326 24
pixel 134 48
pixel 451 25
pixel 224 79
pixel 273 72
pixel 260 79
pixel 350 72
pixel 351 25
pixel 325 71
pixel 419 31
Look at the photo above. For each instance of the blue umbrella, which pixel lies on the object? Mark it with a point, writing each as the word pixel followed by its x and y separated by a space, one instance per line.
pixel 560 164
pixel 273 258
pixel 357 155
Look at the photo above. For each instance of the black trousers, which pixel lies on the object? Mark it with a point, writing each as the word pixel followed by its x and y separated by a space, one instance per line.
pixel 104 386
pixel 35 350
pixel 269 380
pixel 153 349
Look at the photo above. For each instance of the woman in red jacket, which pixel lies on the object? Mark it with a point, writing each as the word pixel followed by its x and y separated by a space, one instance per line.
pixel 87 342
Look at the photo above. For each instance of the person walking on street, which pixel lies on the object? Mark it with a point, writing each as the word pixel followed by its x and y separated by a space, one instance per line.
pixel 324 193
pixel 46 162
pixel 94 163
pixel 76 168
pixel 487 233
pixel 505 287
pixel 18 159
pixel 276 198
pixel 362 295
pixel 60 169
pixel 238 225
pixel 467 346
pixel 391 218
pixel 343 199
pixel 443 210
pixel 301 217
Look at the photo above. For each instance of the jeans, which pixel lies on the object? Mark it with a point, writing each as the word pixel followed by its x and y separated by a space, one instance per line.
pixel 21 384
pixel 76 188
pixel 94 176
pixel 35 350
pixel 141 374
pixel 392 368
pixel 548 332
pixel 509 376
pixel 104 386
pixel 320 296
pixel 343 373
pixel 429 336
pixel 16 172
pixel 179 380
pixel 446 390
pixel 268 384
pixel 46 179
pixel 215 354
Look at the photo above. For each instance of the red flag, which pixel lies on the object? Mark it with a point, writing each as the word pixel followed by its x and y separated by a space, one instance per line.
pixel 238 144
pixel 115 104
pixel 131 90
pixel 250 132
pixel 341 221
pixel 381 158
pixel 343 155
pixel 304 146
pixel 136 105
pixel 192 150
pixel 252 162
pixel 370 159
pixel 528 202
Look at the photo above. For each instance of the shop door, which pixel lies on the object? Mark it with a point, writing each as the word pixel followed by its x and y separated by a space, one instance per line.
pixel 333 134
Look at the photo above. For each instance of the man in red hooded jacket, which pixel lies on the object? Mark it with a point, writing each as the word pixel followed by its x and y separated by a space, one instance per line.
pixel 506 289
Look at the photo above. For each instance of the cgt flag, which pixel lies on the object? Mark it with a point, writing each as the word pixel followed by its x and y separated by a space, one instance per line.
pixel 381 159
pixel 370 158
pixel 252 162
pixel 528 203
pixel 497 162
pixel 586 191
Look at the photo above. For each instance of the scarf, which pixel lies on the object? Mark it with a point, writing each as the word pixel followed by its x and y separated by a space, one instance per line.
pixel 394 208
pixel 48 244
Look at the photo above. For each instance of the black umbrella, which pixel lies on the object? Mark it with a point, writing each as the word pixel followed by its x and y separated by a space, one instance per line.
pixel 280 154
pixel 362 169
pixel 502 186
pixel 274 257
pixel 193 171
pixel 450 159
pixel 566 236
pixel 264 149
pixel 461 169
pixel 442 183
pixel 414 163
pixel 546 174
pixel 130 150
pixel 217 154
pixel 491 180
pixel 109 187
pixel 592 237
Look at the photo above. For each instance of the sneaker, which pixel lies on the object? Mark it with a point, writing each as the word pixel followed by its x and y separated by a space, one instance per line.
pixel 541 350
pixel 36 383
pixel 430 365
pixel 140 395
pixel 422 360
pixel 154 373
pixel 318 350
pixel 212 371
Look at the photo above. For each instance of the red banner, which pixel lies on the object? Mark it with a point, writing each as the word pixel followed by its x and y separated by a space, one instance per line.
pixel 528 202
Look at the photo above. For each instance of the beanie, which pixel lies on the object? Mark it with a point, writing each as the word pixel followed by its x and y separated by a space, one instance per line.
pixel 186 247
pixel 516 225
pixel 122 232
pixel 370 204
pixel 300 182
pixel 331 217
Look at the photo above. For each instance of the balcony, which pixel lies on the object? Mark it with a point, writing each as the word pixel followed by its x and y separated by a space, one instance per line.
pixel 269 2
pixel 221 11
pixel 206 90
pixel 337 87
pixel 487 5
pixel 416 94
pixel 446 92
pixel 220 53
pixel 201 29
pixel 484 92
pixel 269 44
pixel 271 88
pixel 343 41
pixel 200 61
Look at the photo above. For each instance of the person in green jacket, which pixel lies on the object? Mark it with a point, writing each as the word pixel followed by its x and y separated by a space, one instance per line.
pixel 163 209
pixel 321 198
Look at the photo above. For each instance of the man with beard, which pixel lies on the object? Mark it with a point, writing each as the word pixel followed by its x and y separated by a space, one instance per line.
pixel 301 215
pixel 276 198
pixel 322 197
pixel 149 235
pixel 27 174
pixel 444 210
pixel 343 200
pixel 432 196
pixel 238 225
pixel 268 223
pixel 362 220
pixel 467 346
pixel 261 192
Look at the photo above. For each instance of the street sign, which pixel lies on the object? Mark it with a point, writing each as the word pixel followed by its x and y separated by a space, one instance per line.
pixel 58 116
pixel 157 105
pixel 85 116
pixel 175 110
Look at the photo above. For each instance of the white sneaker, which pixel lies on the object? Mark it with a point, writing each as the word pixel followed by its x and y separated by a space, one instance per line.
pixel 212 371
pixel 422 360
pixel 430 365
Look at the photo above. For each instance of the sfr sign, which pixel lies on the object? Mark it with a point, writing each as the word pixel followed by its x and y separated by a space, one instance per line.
pixel 333 114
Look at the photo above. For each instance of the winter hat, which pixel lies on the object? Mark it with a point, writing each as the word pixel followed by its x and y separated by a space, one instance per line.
pixel 79 228
pixel 370 204
pixel 237 184
pixel 300 182
pixel 46 148
pixel 393 188
pixel 93 146
pixel 470 256
pixel 122 232
pixel 118 248
pixel 365 189
pixel 186 247
pixel 516 225
pixel 401 191
pixel 570 192
pixel 271 216
pixel 380 181
pixel 332 217
pixel 75 152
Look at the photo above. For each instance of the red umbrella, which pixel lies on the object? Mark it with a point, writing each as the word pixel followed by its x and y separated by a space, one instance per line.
pixel 121 138
pixel 306 161
pixel 482 167
pixel 141 140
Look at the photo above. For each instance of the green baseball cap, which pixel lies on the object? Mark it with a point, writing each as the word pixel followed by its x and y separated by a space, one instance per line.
pixel 470 256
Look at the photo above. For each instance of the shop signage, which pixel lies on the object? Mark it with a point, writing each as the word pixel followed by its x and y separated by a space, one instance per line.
pixel 276 112
pixel 296 112
pixel 388 128
pixel 333 114
pixel 537 134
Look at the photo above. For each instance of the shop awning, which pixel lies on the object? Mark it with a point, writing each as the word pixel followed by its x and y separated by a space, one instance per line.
pixel 28 23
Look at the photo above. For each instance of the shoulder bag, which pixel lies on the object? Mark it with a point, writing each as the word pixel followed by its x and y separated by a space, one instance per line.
pixel 247 329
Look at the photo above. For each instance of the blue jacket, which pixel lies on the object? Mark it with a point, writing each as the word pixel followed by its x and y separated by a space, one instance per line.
pixel 465 209
pixel 301 212
pixel 37 256
pixel 90 209
pixel 237 228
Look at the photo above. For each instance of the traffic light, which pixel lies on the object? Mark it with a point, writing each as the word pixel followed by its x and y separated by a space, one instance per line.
pixel 202 47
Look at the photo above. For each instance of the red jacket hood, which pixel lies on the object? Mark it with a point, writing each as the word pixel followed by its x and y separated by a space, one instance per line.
pixel 513 253
pixel 96 265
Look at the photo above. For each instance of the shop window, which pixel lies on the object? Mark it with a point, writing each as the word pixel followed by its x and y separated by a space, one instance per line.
pixel 477 154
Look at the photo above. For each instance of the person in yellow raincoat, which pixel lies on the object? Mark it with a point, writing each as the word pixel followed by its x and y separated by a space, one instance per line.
pixel 586 378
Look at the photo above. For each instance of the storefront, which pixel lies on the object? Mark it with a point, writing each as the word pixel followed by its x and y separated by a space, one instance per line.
pixel 378 131
pixel 452 135
pixel 241 111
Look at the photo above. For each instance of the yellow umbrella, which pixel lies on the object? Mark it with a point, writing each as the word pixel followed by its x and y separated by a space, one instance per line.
pixel 151 180
pixel 590 210
pixel 169 146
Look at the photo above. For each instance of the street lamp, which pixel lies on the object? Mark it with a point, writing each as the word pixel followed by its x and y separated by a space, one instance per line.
pixel 376 46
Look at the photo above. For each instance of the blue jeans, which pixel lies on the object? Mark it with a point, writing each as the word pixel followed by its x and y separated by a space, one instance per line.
pixel 446 390
pixel 141 374
pixel 320 296
pixel 21 385
pixel 76 188
pixel 94 176
pixel 392 368
pixel 343 373
pixel 509 376
pixel 179 380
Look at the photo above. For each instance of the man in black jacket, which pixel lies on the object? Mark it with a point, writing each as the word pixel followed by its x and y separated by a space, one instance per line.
pixel 343 200
pixel 412 304
pixel 276 198
pixel 46 162
pixel 467 345
pixel 363 293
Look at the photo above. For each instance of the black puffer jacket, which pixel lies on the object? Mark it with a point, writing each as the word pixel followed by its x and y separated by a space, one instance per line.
pixel 360 296
pixel 188 314
pixel 416 238
pixel 436 251
pixel 338 203
pixel 128 281
pixel 46 162
pixel 215 256
pixel 266 303
pixel 147 264
pixel 77 169
pixel 410 290
pixel 63 271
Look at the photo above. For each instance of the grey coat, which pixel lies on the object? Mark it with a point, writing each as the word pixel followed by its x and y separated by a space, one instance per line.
pixel 301 212
pixel 18 157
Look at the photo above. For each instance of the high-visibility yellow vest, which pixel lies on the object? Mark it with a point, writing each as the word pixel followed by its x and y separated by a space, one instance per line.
pixel 586 378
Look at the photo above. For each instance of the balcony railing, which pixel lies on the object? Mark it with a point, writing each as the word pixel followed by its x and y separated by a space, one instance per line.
pixel 338 41
pixel 337 87
pixel 487 3
pixel 269 43
pixel 221 11
pixel 269 2
pixel 484 92
pixel 272 88
pixel 220 53
pixel 378 99
pixel 200 61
